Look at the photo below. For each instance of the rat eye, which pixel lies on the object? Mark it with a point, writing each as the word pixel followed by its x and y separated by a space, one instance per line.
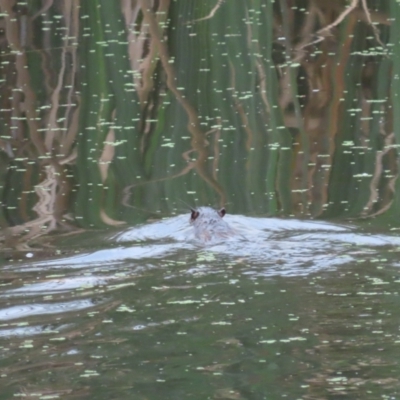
pixel 222 212
pixel 194 215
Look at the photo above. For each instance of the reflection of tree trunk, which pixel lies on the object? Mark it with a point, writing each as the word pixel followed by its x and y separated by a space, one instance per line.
pixel 53 191
pixel 23 78
pixel 199 141
pixel 52 195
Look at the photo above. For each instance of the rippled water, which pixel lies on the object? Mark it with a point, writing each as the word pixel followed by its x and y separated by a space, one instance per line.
pixel 287 309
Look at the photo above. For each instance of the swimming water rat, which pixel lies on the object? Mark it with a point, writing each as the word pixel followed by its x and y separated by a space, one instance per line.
pixel 208 224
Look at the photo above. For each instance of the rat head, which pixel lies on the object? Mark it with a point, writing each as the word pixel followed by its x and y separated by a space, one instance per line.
pixel 206 213
pixel 208 224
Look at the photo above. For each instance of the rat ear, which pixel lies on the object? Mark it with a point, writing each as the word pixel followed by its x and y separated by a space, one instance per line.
pixel 222 212
pixel 194 214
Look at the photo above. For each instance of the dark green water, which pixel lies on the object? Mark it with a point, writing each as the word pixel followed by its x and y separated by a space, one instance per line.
pixel 305 311
pixel 117 116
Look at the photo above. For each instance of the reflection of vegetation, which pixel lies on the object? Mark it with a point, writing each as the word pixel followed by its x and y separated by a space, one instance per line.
pixel 118 106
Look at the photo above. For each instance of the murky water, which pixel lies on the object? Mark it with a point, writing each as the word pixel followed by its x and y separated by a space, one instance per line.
pixel 114 112
pixel 289 309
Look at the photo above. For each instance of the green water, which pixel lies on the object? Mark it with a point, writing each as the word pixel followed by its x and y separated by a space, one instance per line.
pixel 118 116
pixel 317 321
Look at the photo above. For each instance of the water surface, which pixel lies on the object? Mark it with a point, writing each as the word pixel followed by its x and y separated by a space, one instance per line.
pixel 301 309
pixel 113 114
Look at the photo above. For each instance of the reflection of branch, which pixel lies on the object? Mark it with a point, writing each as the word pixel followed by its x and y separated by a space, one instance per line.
pixel 143 52
pixel 352 7
pixel 127 190
pixel 23 78
pixel 240 109
pixel 375 181
pixel 336 22
pixel 191 165
pixel 171 79
pixel 52 126
pixel 71 15
pixel 341 17
pixel 374 28
pixel 47 5
pixel 199 141
pixel 305 33
pixel 104 162
pixel 136 39
pixel 212 13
